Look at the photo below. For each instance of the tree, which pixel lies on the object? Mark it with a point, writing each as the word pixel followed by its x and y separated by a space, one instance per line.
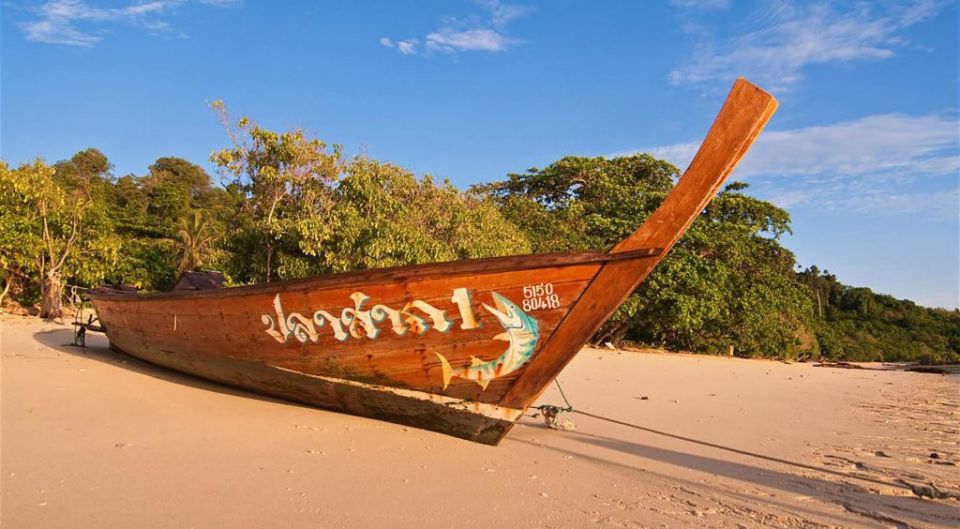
pixel 581 203
pixel 174 188
pixel 293 207
pixel 285 181
pixel 858 324
pixel 86 183
pixel 727 282
pixel 60 216
pixel 383 216
pixel 195 242
pixel 19 243
pixel 63 235
pixel 303 210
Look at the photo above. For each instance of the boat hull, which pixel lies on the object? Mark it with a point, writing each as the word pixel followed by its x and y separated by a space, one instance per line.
pixel 474 421
pixel 462 348
pixel 432 346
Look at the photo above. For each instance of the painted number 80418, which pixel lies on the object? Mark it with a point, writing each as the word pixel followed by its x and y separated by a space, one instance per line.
pixel 540 296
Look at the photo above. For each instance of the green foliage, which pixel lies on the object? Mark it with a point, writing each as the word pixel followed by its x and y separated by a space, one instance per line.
pixel 302 210
pixel 728 282
pixel 581 203
pixel 151 212
pixel 284 182
pixel 146 263
pixel 65 237
pixel 384 216
pixel 100 229
pixel 196 243
pixel 857 324
pixel 20 242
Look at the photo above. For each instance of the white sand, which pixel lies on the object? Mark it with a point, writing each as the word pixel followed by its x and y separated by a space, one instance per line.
pixel 97 439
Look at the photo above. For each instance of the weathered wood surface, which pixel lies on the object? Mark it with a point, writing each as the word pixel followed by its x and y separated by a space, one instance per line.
pixel 232 326
pixel 461 348
pixel 399 274
pixel 234 336
pixel 484 423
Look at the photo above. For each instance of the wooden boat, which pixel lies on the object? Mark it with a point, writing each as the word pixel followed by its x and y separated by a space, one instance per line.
pixel 461 348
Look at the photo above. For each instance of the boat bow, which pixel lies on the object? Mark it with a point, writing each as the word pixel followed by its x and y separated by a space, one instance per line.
pixel 743 115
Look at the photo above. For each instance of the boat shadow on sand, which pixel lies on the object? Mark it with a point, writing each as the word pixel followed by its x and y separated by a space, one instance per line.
pixel 98 349
pixel 849 491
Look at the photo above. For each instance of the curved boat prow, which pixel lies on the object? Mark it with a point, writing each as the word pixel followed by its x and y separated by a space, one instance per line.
pixel 743 115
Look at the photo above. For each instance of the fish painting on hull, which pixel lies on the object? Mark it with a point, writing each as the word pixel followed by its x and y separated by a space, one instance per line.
pixel 521 333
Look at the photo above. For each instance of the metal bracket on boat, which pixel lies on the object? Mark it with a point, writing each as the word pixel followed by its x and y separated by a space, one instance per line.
pixel 80 326
pixel 80 333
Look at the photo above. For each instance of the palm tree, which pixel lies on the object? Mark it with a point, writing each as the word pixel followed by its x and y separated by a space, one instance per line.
pixel 195 243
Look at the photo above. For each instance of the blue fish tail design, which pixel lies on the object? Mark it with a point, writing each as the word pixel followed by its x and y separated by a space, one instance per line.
pixel 520 330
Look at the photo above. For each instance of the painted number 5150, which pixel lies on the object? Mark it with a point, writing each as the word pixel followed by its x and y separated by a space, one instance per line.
pixel 540 296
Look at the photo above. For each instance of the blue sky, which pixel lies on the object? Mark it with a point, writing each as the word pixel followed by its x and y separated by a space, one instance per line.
pixel 864 151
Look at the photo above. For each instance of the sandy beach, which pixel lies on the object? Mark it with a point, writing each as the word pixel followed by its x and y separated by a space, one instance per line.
pixel 93 438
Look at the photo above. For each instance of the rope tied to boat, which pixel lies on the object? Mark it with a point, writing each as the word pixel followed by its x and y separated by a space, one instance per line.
pixel 552 413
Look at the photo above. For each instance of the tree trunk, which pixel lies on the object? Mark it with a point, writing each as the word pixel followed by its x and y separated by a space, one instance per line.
pixel 613 333
pixel 269 261
pixel 51 306
pixel 6 289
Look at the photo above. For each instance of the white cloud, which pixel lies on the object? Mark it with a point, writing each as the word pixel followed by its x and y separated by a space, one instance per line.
pixel 59 19
pixel 865 165
pixel 450 40
pixel 408 46
pixel 473 33
pixel 502 14
pixel 789 37
pixel 701 4
pixel 405 47
pixel 57 31
pixel 878 143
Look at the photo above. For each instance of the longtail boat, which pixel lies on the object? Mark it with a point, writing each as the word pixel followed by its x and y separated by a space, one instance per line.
pixel 462 348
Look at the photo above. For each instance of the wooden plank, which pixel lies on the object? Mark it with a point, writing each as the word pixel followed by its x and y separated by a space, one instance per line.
pixel 339 295
pixel 744 114
pixel 384 276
